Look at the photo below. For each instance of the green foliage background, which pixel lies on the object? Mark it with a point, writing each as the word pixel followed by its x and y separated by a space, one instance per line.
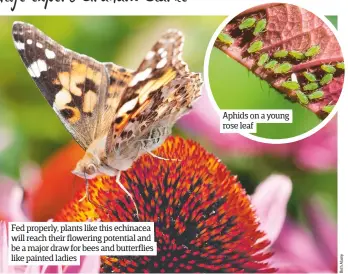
pixel 37 133
pixel 122 40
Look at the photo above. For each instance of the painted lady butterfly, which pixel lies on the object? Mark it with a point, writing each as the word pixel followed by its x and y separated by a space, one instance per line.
pixel 115 114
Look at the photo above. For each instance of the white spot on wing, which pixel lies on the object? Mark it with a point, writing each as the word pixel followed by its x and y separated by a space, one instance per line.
pixel 127 106
pixel 50 54
pixel 162 63
pixel 39 45
pixel 63 97
pixel 150 55
pixel 89 101
pixel 164 54
pixel 29 41
pixel 37 67
pixel 19 45
pixel 141 76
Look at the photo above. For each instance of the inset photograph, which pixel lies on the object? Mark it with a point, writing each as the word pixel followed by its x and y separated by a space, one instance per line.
pixel 278 57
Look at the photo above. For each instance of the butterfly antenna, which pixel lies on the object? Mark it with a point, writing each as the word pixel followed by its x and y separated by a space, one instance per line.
pixel 118 181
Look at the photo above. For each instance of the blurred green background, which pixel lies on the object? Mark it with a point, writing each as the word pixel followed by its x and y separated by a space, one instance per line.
pixel 235 87
pixel 34 131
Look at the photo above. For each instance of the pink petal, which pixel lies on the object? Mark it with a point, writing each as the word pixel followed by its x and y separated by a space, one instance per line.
pixel 319 151
pixel 286 263
pixel 324 231
pixel 11 198
pixel 4 268
pixel 88 264
pixel 270 200
pixel 295 246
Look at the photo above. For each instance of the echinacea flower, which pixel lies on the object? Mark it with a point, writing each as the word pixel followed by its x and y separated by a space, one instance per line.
pixel 204 220
pixel 269 200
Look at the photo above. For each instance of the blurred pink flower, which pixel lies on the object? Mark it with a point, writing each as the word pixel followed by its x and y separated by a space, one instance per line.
pixel 296 248
pixel 12 209
pixel 270 201
pixel 299 249
pixel 318 151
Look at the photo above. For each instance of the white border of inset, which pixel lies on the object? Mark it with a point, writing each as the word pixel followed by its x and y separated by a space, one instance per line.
pixel 238 10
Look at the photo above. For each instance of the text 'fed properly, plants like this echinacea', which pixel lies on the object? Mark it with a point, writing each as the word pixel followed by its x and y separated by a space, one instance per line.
pixel 293 50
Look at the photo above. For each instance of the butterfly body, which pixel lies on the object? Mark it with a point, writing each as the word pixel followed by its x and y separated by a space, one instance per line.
pixel 115 114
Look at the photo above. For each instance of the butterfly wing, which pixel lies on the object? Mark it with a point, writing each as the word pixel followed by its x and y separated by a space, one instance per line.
pixel 119 79
pixel 79 89
pixel 161 87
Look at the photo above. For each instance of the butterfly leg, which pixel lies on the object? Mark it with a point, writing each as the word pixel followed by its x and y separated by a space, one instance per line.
pixel 85 196
pixel 118 181
pixel 86 193
pixel 161 158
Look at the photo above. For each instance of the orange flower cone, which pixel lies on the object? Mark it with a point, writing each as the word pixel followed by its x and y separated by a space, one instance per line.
pixel 203 218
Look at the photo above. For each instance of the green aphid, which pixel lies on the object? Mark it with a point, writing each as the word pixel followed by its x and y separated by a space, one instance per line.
pixel 247 23
pixel 296 54
pixel 260 26
pixel 327 78
pixel 310 86
pixel 291 85
pixel 340 65
pixel 328 108
pixel 280 53
pixel 302 97
pixel 263 59
pixel 283 68
pixel 271 64
pixel 312 51
pixel 316 95
pixel 225 38
pixel 328 68
pixel 309 76
pixel 255 46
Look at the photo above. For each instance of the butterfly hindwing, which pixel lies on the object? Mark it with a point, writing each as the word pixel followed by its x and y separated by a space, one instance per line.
pixel 158 84
pixel 119 79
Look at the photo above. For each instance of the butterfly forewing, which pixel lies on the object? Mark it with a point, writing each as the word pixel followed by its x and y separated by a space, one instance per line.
pixel 76 86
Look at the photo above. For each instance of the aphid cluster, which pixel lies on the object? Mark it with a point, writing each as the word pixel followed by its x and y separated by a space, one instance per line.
pixel 277 64
pixel 310 89
pixel 251 22
pixel 272 62
pixel 312 83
